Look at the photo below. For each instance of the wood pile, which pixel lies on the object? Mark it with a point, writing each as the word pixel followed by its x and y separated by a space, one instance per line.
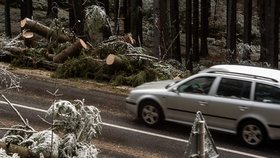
pixel 114 60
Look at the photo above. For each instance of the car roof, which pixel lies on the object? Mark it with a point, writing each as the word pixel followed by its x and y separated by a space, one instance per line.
pixel 249 71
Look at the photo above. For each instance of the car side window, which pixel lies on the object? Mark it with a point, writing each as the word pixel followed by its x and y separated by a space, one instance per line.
pixel 200 85
pixel 234 88
pixel 267 93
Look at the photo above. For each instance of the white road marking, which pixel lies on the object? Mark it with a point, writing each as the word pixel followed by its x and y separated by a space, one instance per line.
pixel 143 132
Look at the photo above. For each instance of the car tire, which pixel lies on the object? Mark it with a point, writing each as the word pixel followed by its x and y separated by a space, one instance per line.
pixel 150 113
pixel 252 133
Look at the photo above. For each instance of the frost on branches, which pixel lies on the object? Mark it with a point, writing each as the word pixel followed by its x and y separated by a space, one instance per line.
pixel 73 128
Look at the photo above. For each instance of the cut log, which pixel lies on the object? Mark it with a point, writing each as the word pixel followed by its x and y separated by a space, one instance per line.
pixel 113 60
pixel 43 30
pixel 15 50
pixel 28 38
pixel 11 148
pixel 73 50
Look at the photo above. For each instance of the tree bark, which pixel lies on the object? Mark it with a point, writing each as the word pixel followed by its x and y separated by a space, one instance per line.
pixel 28 38
pixel 52 10
pixel 156 37
pixel 79 15
pixel 43 30
pixel 175 21
pixel 136 21
pixel 273 32
pixel 195 30
pixel 26 10
pixel 11 148
pixel 231 26
pixel 7 19
pixel 15 50
pixel 73 50
pixel 117 15
pixel 127 15
pixel 261 13
pixel 188 33
pixel 165 32
pixel 247 21
pixel 204 27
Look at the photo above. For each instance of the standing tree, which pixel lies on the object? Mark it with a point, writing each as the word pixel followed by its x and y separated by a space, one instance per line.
pixel 79 16
pixel 136 21
pixel 231 27
pixel 272 25
pixel 247 21
pixel 195 30
pixel 117 15
pixel 204 27
pixel 7 19
pixel 188 33
pixel 175 32
pixel 106 28
pixel 26 10
pixel 52 10
pixel 127 15
pixel 156 37
pixel 164 6
pixel 261 14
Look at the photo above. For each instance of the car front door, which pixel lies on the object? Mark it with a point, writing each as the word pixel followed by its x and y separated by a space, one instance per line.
pixel 188 98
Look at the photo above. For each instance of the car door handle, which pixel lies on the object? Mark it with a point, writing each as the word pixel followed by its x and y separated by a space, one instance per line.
pixel 202 103
pixel 243 108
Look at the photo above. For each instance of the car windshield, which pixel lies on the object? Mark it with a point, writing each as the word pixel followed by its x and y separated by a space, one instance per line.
pixel 171 84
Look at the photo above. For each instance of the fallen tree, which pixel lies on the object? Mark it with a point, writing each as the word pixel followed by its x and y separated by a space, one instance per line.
pixel 73 50
pixel 40 29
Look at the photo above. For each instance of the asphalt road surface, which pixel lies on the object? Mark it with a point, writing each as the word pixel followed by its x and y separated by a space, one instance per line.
pixel 122 135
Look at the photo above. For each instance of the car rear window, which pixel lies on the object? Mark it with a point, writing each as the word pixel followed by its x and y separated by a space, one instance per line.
pixel 234 88
pixel 267 93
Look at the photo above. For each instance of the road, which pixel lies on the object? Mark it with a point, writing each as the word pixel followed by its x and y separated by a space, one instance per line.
pixel 122 135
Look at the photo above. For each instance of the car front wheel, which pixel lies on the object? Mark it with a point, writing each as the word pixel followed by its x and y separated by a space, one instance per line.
pixel 252 133
pixel 151 113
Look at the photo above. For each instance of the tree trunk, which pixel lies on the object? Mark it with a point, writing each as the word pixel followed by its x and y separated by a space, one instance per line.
pixel 26 10
pixel 176 46
pixel 247 21
pixel 136 21
pixel 106 29
pixel 156 37
pixel 117 15
pixel 52 10
pixel 73 50
pixel 273 33
pixel 195 30
pixel 79 14
pixel 43 30
pixel 165 28
pixel 127 15
pixel 231 27
pixel 188 33
pixel 11 148
pixel 28 38
pixel 7 19
pixel 15 50
pixel 204 27
pixel 261 13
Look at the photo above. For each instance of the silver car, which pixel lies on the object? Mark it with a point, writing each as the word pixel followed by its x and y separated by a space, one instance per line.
pixel 242 100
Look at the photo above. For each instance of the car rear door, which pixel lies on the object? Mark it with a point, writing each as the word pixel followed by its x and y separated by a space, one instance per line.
pixel 231 100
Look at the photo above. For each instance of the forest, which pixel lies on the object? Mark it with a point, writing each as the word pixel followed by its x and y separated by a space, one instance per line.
pixel 128 42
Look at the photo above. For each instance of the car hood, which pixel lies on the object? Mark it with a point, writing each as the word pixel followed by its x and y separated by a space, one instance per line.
pixel 155 85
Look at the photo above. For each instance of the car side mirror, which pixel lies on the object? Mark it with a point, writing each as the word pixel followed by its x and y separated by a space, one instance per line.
pixel 175 90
